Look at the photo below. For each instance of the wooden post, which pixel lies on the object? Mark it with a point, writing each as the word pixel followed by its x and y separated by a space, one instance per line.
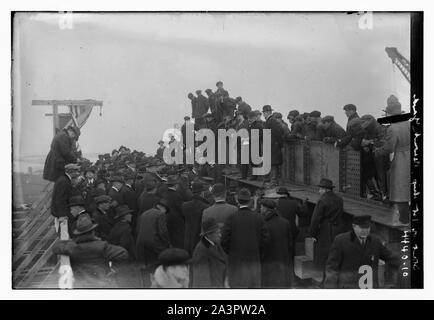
pixel 55 119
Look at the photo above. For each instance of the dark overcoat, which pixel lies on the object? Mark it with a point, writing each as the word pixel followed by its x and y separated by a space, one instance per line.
pixel 209 265
pixel 277 258
pixel 152 235
pixel 61 153
pixel 90 258
pixel 276 140
pixel 289 209
pixel 327 222
pixel 105 223
pixel 192 211
pixel 129 197
pixel 121 235
pixel 116 196
pixel 397 145
pixel 244 237
pixel 62 191
pixel 347 255
pixel 175 218
pixel 146 201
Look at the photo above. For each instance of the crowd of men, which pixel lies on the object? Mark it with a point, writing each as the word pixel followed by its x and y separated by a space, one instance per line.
pixel 137 222
pixel 385 151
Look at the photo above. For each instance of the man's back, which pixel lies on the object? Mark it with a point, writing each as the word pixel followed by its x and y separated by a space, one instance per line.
pixel 220 211
pixel 89 259
pixel 243 238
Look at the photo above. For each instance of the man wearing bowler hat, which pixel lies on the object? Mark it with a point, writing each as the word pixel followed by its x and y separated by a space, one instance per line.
pixel 327 221
pixel 244 237
pixel 90 255
pixel 160 150
pixel 353 259
pixel 121 233
pixel 277 134
pixel 209 259
pixel 192 212
pixel 175 219
pixel 115 190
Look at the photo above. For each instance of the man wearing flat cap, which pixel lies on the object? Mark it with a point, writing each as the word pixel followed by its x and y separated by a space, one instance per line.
pixel 276 142
pixel 209 259
pixel 276 262
pixel 103 216
pixel 327 221
pixel 291 116
pixel 192 212
pixel 62 152
pixel 312 126
pixel 244 238
pixel 353 117
pixel 63 189
pixel 397 147
pixel 354 251
pixel 173 269
pixel 331 131
pixel 90 256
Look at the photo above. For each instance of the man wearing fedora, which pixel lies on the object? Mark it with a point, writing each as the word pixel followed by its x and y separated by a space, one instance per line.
pixel 103 216
pixel 244 237
pixel 209 258
pixel 327 221
pixel 355 249
pixel 220 210
pixel 276 142
pixel 276 262
pixel 89 255
pixel 172 269
pixel 62 152
pixel 192 212
pixel 152 233
pixel 397 147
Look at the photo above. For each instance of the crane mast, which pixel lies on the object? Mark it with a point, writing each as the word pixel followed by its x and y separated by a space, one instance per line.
pixel 400 61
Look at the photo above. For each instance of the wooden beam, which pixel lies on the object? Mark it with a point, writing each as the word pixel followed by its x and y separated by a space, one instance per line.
pixel 59 114
pixel 88 102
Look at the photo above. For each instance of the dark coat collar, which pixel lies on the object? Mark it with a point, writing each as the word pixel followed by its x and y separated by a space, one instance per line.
pixel 353 237
pixel 86 238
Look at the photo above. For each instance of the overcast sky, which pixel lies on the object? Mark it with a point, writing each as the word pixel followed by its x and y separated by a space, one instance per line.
pixel 143 66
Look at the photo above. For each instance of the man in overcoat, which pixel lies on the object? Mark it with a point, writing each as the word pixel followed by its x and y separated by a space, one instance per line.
pixel 175 219
pixel 220 210
pixel 152 235
pixel 63 190
pixel 90 256
pixel 192 211
pixel 209 261
pixel 103 217
pixel 276 142
pixel 397 146
pixel 327 221
pixel 277 266
pixel 244 237
pixel 353 259
pixel 61 153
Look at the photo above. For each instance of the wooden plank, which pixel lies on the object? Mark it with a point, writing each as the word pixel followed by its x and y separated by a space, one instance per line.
pixel 25 245
pixel 40 263
pixel 88 102
pixel 34 252
pixel 34 225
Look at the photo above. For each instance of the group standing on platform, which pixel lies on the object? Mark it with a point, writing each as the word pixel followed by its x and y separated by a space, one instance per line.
pixel 131 216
